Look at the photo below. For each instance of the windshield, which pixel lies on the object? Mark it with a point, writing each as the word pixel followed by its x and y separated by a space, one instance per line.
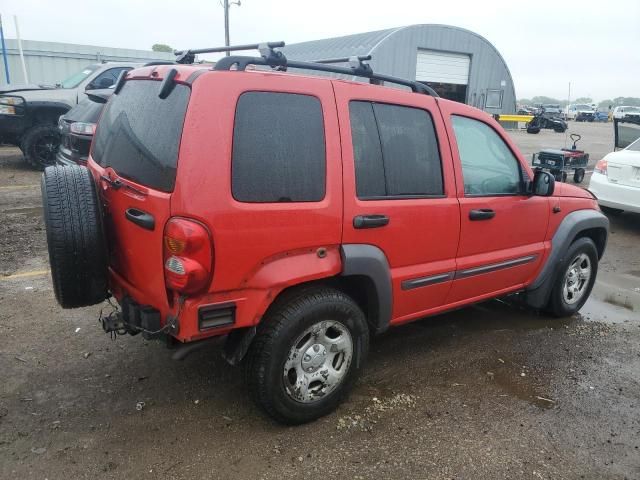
pixel 75 79
pixel 583 107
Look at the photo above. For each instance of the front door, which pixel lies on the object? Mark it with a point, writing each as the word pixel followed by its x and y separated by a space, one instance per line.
pixel 399 191
pixel 503 229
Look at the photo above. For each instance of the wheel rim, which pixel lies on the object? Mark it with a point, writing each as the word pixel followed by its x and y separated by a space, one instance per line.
pixel 576 279
pixel 318 361
pixel 45 149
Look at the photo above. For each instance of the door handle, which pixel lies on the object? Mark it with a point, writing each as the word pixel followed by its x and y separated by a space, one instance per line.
pixel 140 218
pixel 370 221
pixel 482 214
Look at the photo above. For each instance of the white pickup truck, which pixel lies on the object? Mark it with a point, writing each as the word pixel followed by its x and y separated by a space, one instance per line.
pixel 29 113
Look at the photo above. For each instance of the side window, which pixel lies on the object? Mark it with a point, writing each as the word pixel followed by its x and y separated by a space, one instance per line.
pixel 107 78
pixel 395 151
pixel 488 166
pixel 278 148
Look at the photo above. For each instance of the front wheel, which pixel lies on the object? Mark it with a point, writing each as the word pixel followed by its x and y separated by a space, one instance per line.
pixel 575 278
pixel 309 350
pixel 578 175
pixel 40 145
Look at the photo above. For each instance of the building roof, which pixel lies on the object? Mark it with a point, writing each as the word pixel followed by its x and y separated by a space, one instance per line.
pixel 348 45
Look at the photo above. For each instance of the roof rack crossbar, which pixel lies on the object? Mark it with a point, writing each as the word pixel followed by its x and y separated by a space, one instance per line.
pixel 361 70
pixel 189 56
pixel 359 58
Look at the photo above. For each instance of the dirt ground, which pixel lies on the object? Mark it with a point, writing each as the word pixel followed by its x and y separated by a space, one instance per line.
pixel 486 392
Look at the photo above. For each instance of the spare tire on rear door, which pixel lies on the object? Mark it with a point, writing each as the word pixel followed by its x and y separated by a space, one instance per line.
pixel 75 236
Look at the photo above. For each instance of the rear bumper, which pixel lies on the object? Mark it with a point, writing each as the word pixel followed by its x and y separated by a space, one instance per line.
pixel 66 157
pixel 200 317
pixel 613 195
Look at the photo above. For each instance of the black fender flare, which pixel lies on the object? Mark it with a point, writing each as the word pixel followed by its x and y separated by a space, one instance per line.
pixel 35 109
pixel 537 293
pixel 370 262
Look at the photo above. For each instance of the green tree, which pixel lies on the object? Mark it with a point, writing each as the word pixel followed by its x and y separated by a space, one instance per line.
pixel 586 100
pixel 161 47
pixel 525 101
pixel 604 104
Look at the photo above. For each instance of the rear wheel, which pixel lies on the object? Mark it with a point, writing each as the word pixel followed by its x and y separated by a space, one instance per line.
pixel 307 354
pixel 40 145
pixel 575 278
pixel 578 175
pixel 75 237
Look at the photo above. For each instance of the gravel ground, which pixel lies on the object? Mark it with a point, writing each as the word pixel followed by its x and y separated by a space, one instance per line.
pixel 489 391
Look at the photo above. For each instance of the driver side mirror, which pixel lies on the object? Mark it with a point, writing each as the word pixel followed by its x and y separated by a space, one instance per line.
pixel 543 184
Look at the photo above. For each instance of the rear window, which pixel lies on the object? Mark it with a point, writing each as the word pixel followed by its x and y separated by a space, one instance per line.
pixel 139 133
pixel 86 111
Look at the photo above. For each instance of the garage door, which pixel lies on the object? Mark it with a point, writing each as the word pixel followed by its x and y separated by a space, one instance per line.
pixel 442 67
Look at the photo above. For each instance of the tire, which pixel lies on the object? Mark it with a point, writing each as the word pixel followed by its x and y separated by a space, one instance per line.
pixel 75 236
pixel 533 130
pixel 578 175
pixel 40 145
pixel 288 336
pixel 562 304
pixel 559 129
pixel 611 211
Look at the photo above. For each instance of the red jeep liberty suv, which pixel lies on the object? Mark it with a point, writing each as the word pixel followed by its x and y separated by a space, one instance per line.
pixel 299 214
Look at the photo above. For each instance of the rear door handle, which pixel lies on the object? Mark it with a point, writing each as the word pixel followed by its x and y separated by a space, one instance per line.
pixel 140 218
pixel 370 221
pixel 482 214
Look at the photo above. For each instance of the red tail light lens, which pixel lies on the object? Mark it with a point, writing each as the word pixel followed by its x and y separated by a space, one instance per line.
pixel 188 256
pixel 601 167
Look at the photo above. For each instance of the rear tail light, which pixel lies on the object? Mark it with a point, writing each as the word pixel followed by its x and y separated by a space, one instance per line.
pixel 188 256
pixel 83 128
pixel 601 167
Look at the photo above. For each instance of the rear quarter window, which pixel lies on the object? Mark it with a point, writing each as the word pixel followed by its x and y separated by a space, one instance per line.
pixel 139 133
pixel 278 148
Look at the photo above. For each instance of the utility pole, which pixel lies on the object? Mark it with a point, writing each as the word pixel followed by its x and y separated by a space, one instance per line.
pixel 226 5
pixel 4 54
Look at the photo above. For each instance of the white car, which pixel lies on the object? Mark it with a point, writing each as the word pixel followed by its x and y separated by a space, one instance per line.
pixel 616 180
pixel 622 111
pixel 579 112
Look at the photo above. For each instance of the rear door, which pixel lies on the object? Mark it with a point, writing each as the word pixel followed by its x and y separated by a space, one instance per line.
pixel 503 230
pixel 399 192
pixel 136 149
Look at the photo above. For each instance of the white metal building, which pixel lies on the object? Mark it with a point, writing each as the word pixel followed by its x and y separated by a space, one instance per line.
pixel 50 62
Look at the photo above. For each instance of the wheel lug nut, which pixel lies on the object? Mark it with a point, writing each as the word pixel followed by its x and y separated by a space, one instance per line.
pixel 316 348
pixel 307 358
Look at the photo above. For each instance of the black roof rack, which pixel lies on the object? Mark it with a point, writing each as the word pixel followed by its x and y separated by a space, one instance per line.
pixel 276 60
pixel 188 56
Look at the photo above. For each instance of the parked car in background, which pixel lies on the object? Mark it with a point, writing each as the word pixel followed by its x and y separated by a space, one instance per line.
pixel 77 127
pixel 601 117
pixel 580 112
pixel 623 111
pixel 29 113
pixel 552 110
pixel 616 180
pixel 302 214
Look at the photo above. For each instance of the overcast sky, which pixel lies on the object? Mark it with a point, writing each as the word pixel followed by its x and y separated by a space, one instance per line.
pixel 546 43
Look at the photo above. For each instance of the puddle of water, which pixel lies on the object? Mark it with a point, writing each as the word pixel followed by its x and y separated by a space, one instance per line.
pixel 520 387
pixel 28 211
pixel 608 312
